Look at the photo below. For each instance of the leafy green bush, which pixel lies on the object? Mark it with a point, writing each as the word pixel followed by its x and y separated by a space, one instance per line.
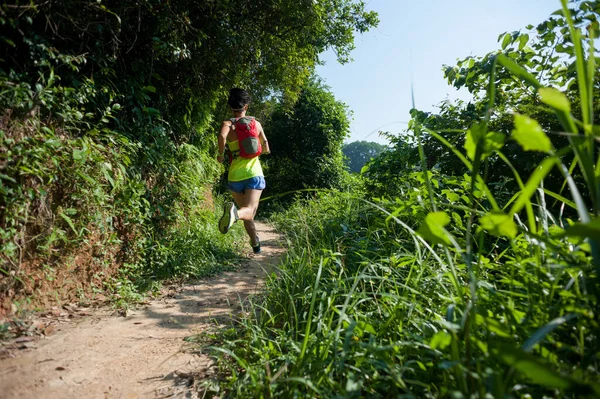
pixel 108 112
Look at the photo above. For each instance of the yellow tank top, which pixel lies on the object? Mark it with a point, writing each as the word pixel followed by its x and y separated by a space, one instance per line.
pixel 242 168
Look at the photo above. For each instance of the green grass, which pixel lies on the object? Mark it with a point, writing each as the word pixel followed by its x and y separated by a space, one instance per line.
pixel 361 308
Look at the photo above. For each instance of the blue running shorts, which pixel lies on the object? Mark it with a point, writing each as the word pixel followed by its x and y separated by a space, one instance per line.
pixel 253 183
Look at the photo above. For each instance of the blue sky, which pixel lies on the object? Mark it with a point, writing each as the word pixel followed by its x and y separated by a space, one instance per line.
pixel 426 34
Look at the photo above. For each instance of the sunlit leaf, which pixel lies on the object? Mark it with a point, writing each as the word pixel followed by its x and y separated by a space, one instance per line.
pixel 533 183
pixel 523 39
pixel 474 134
pixel 493 142
pixel 554 98
pixel 352 385
pixel 493 326
pixel 529 134
pixel 79 155
pixel 440 340
pixel 433 228
pixel 499 224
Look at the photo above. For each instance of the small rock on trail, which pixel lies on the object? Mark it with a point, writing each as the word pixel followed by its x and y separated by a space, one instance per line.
pixel 142 355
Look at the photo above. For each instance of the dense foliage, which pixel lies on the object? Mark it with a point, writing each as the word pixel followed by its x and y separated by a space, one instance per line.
pixel 306 142
pixel 107 129
pixel 358 153
pixel 449 282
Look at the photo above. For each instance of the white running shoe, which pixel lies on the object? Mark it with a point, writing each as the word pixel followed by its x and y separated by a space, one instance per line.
pixel 230 216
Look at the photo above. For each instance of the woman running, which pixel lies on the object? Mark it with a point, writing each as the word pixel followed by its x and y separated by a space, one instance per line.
pixel 245 180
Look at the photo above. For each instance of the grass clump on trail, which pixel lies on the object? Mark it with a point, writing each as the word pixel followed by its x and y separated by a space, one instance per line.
pixel 447 285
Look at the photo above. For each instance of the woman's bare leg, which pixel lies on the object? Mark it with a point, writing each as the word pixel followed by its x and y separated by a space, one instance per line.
pixel 247 205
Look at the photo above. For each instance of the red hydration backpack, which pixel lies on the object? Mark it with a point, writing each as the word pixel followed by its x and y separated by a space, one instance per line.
pixel 247 134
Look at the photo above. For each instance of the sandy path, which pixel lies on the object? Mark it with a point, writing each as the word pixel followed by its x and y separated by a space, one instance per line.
pixel 142 355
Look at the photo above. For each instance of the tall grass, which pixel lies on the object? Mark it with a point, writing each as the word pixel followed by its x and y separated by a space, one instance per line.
pixel 424 296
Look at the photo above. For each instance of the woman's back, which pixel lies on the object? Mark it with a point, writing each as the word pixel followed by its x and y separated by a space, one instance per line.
pixel 241 168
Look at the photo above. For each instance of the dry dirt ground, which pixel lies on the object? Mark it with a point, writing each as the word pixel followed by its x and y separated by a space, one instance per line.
pixel 142 355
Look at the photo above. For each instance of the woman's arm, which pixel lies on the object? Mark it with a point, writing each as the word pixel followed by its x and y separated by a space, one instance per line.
pixel 263 139
pixel 225 129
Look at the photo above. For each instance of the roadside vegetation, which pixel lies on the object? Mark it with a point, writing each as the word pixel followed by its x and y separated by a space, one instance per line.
pixel 108 119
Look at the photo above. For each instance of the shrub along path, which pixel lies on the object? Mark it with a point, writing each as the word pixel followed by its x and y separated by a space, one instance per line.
pixel 143 354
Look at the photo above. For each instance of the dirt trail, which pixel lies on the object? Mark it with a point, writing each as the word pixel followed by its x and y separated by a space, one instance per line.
pixel 142 355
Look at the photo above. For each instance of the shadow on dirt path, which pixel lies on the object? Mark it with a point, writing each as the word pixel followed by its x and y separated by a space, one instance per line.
pixel 142 355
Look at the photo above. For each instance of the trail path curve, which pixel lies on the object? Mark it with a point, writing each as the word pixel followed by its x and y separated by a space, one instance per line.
pixel 142 355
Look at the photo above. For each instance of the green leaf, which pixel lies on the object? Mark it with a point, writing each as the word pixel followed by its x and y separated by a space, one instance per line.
pixel 506 40
pixel 365 327
pixel 532 368
pixel 152 111
pixel 523 39
pixel 493 142
pixel 474 134
pixel 518 71
pixel 566 201
pixel 529 134
pixel 151 89
pixel 69 222
pixel 533 183
pixel 87 178
pixel 493 326
pixel 352 385
pixel 554 98
pixel 499 224
pixel 7 177
pixel 490 142
pixel 433 228
pixel 79 155
pixel 440 340
pixel 108 177
pixel 9 42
